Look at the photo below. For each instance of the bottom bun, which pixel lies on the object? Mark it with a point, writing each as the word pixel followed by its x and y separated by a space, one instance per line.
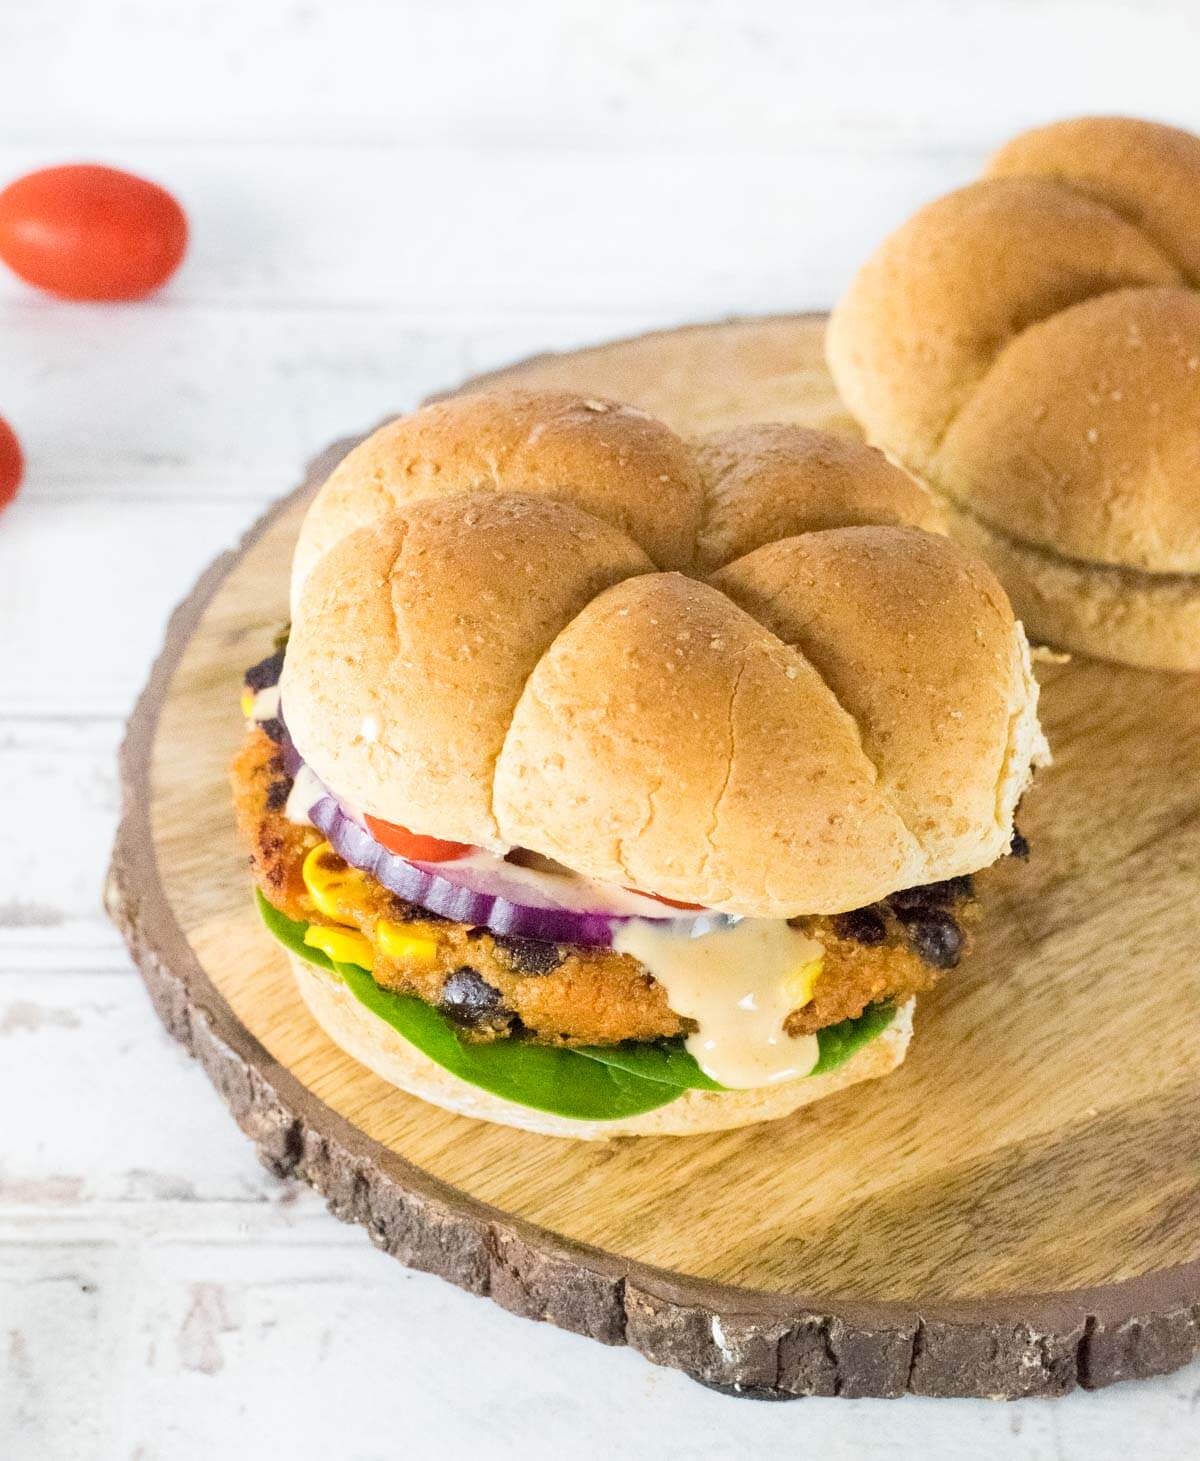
pixel 373 1043
pixel 1145 619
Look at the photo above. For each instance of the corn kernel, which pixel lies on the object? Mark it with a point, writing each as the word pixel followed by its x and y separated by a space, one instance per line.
pixel 248 703
pixel 801 983
pixel 342 945
pixel 332 885
pixel 399 942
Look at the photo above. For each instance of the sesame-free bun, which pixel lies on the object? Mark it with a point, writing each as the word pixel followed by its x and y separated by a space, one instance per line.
pixel 809 718
pixel 1030 346
pixel 1147 619
pixel 374 1043
pixel 615 462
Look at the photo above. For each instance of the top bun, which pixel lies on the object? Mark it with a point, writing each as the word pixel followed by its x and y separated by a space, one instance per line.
pixel 821 702
pixel 1030 345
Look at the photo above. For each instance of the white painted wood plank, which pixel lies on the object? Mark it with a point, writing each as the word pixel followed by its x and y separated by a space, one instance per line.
pixel 460 231
pixel 62 800
pixel 141 1340
pixel 123 1116
pixel 205 402
pixel 84 593
pixel 923 72
pixel 85 942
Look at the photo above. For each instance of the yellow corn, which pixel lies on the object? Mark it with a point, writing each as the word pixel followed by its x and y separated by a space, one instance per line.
pixel 801 983
pixel 399 942
pixel 342 945
pixel 248 703
pixel 332 885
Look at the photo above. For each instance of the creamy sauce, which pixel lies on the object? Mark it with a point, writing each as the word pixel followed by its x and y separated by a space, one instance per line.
pixel 739 984
pixel 266 704
pixel 306 791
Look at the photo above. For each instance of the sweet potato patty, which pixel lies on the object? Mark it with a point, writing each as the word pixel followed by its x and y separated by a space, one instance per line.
pixel 566 994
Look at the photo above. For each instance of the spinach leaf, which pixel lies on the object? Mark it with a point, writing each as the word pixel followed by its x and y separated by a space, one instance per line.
pixel 667 1061
pixel 289 933
pixel 839 1042
pixel 545 1077
pixel 587 1083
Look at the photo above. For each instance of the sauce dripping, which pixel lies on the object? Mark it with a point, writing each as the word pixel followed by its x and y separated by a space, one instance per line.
pixel 739 984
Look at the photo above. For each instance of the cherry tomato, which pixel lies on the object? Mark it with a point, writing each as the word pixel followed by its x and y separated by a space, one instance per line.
pixel 12 463
pixel 412 845
pixel 89 232
pixel 670 902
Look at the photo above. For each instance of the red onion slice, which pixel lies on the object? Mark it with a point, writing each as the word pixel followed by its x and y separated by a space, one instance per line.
pixel 522 882
pixel 429 889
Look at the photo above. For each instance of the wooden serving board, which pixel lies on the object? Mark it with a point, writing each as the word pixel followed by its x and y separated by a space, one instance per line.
pixel 1015 1211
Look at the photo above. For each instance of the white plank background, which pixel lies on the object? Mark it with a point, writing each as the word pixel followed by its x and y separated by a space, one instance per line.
pixel 384 198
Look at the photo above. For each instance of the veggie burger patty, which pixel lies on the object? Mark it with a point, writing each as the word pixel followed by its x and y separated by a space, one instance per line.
pixel 493 985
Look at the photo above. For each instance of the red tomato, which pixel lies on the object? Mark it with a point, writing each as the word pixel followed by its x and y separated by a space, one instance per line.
pixel 12 463
pixel 670 902
pixel 90 232
pixel 411 844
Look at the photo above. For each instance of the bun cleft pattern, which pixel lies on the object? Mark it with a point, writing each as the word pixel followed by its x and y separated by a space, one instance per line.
pixel 1029 345
pixel 748 671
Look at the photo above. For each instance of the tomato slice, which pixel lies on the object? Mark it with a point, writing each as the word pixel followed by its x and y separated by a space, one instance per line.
pixel 670 902
pixel 413 845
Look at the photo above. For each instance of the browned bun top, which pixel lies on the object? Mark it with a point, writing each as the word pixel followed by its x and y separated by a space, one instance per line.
pixel 1111 474
pixel 1143 171
pixel 614 461
pixel 414 636
pixel 926 317
pixel 810 717
pixel 1031 344
pixel 771 480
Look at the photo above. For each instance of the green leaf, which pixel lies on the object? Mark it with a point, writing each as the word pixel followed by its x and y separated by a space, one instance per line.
pixel 667 1061
pixel 839 1042
pixel 544 1077
pixel 588 1083
pixel 290 933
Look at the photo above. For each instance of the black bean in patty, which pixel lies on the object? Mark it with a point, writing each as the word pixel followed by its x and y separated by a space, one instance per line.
pixel 934 895
pixel 862 926
pixel 934 935
pixel 265 672
pixel 278 792
pixel 1019 846
pixel 402 911
pixel 527 955
pixel 470 1001
pixel 273 729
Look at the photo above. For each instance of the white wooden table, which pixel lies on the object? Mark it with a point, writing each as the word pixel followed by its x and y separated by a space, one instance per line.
pixel 384 198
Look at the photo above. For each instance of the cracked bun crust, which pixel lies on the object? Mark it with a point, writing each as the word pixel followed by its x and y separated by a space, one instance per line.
pixel 836 713
pixel 1030 346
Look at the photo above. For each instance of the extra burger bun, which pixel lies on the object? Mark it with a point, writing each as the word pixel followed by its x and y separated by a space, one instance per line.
pixel 1030 345
pixel 1147 619
pixel 836 713
pixel 375 1044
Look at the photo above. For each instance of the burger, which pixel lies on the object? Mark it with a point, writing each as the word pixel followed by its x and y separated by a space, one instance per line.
pixel 608 783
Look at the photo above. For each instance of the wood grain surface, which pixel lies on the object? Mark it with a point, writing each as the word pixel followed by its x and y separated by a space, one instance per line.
pixel 1015 1211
